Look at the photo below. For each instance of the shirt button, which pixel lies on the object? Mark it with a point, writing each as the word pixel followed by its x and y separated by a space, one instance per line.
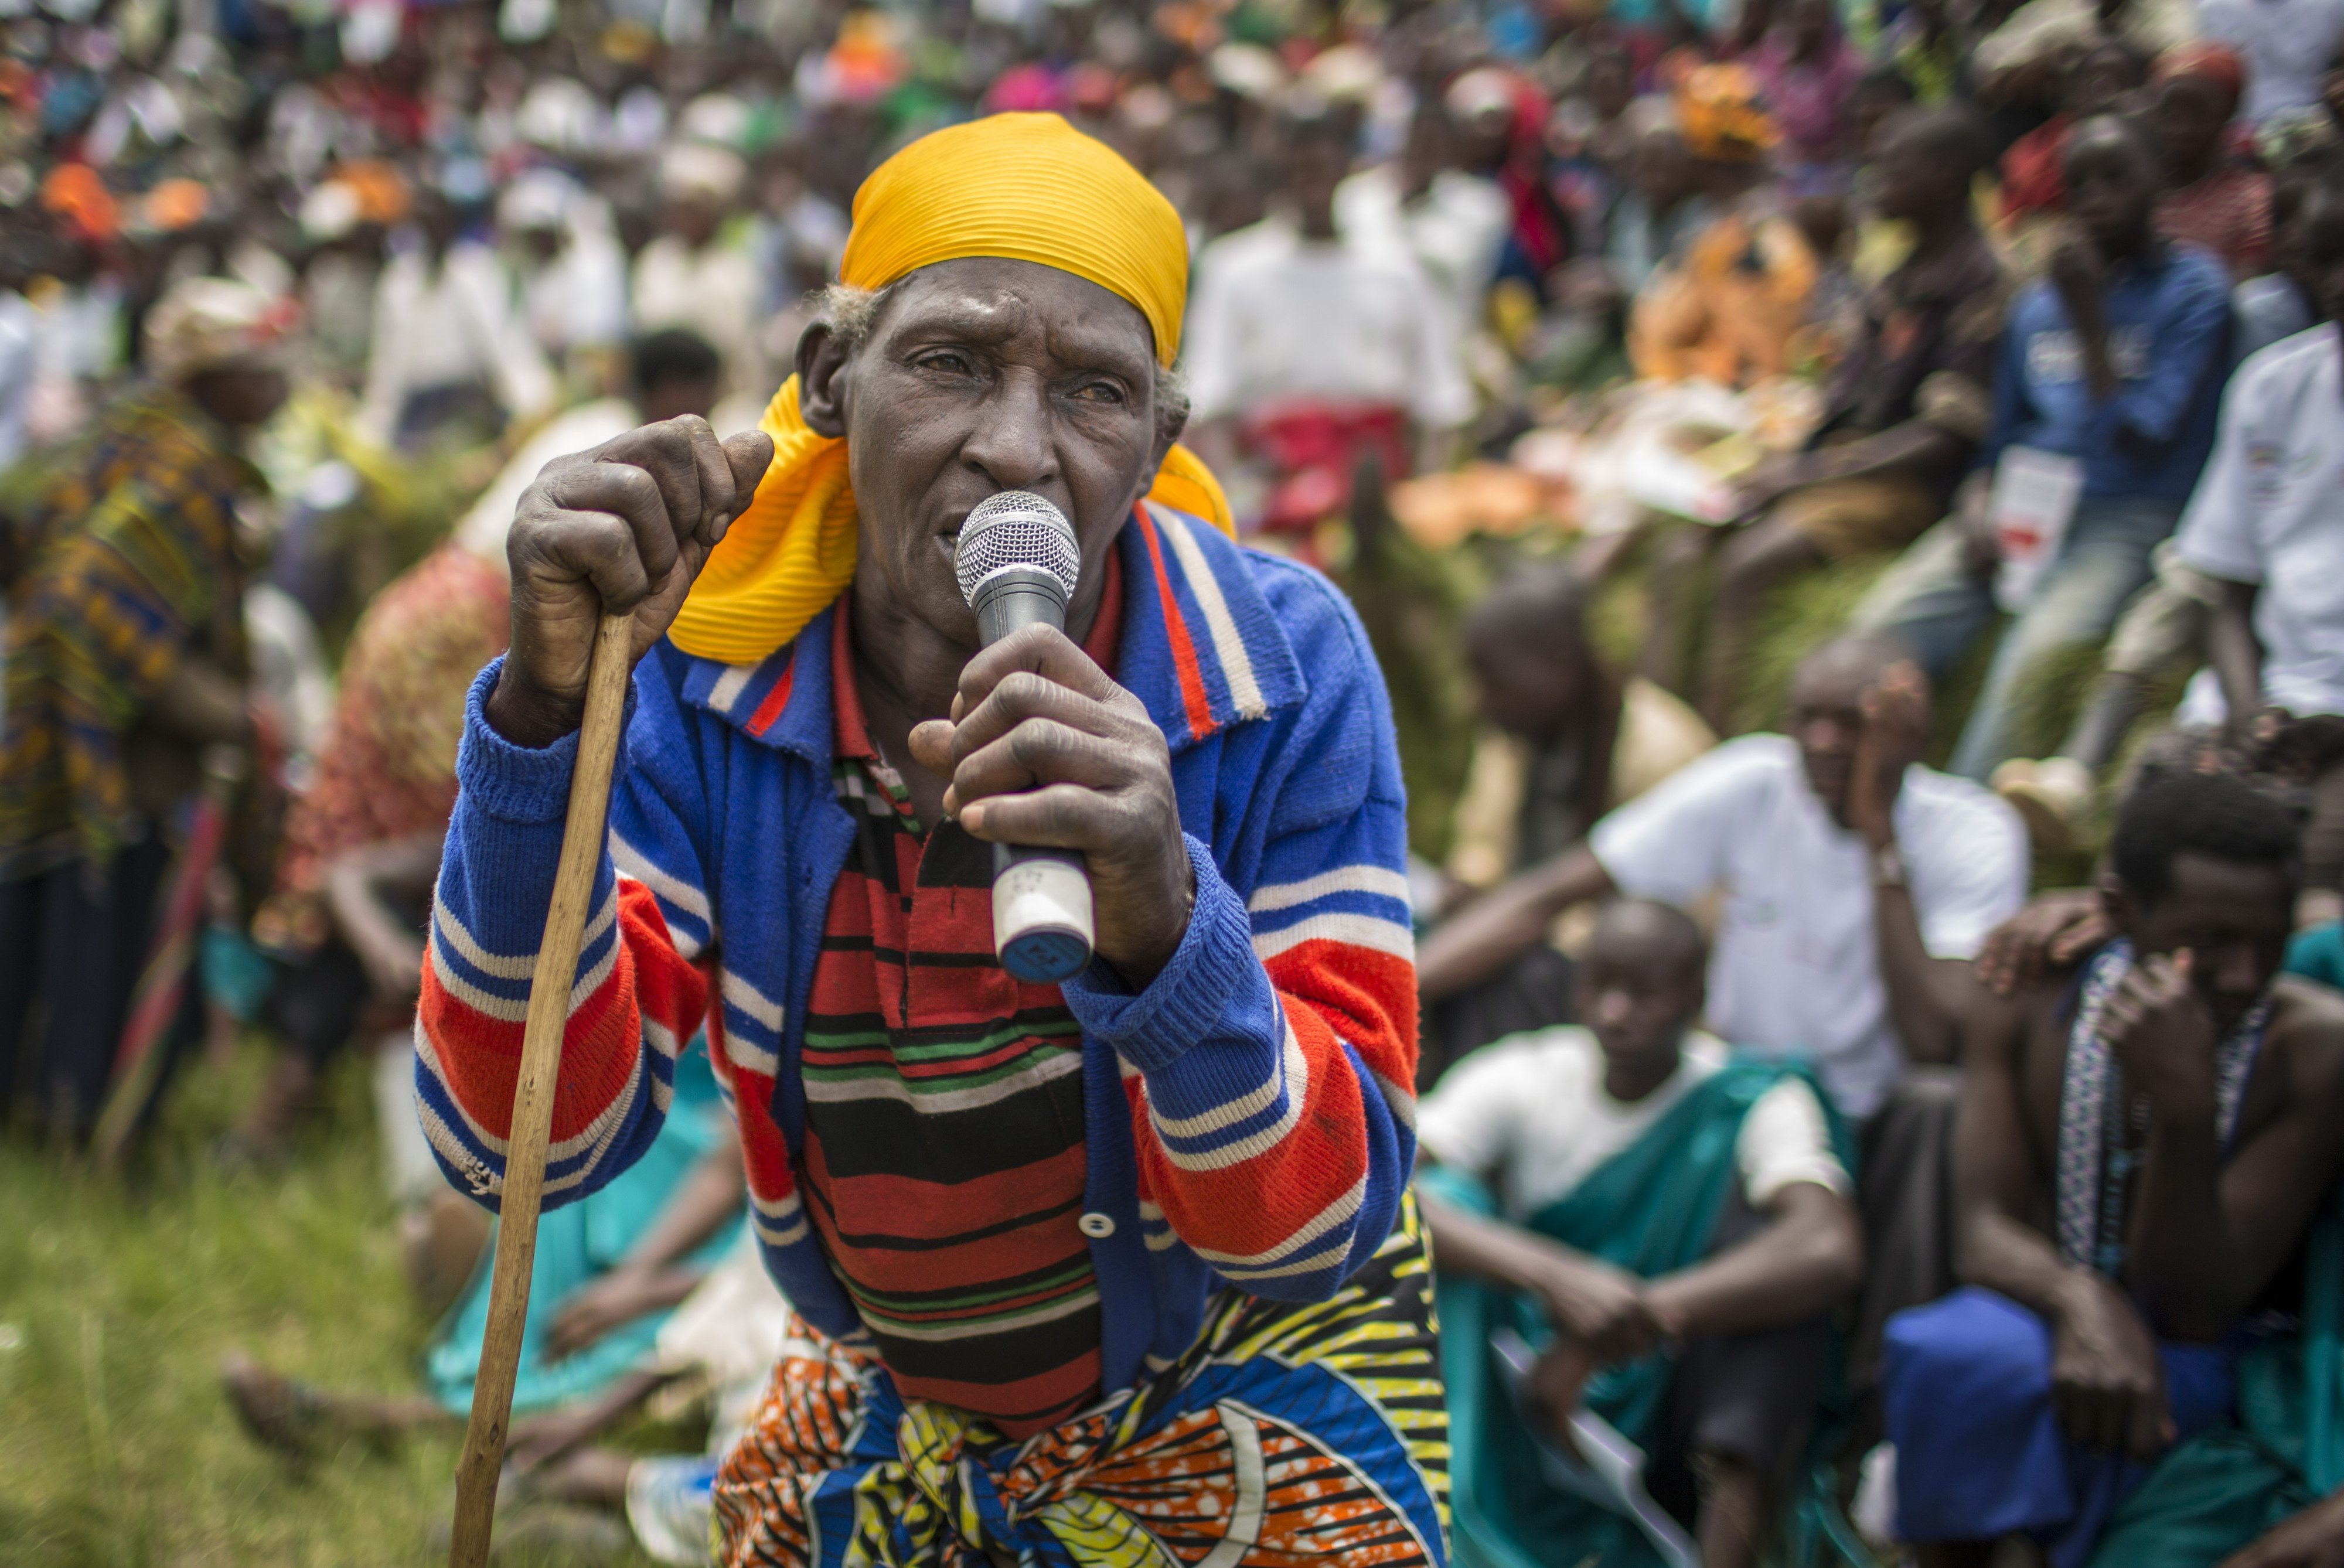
pixel 1098 1227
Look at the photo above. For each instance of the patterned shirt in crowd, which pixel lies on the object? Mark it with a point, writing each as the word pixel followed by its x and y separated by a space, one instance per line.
pixel 2230 213
pixel 388 768
pixel 1930 331
pixel 129 546
pixel 944 1161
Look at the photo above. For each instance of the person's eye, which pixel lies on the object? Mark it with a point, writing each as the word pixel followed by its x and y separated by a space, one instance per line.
pixel 949 362
pixel 1100 392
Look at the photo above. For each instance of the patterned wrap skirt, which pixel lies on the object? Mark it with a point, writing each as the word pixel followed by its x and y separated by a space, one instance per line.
pixel 1287 1435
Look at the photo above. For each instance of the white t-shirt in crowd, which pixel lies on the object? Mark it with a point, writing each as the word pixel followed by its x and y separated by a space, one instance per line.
pixel 1276 316
pixel 1530 1113
pixel 1455 231
pixel 2286 44
pixel 2265 511
pixel 1796 969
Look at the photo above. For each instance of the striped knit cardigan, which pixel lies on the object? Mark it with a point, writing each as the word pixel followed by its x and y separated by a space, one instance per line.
pixel 1248 1114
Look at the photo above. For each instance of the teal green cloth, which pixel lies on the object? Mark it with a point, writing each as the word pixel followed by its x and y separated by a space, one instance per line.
pixel 1651 1210
pixel 2216 1492
pixel 2318 954
pixel 577 1244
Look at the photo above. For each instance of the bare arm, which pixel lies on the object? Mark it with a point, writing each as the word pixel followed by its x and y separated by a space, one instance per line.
pixel 2235 653
pixel 2312 1539
pixel 2206 1233
pixel 1925 995
pixel 202 704
pixel 1915 444
pixel 355 883
pixel 1585 1298
pixel 1492 932
pixel 648 1278
pixel 1808 1257
pixel 2107 1385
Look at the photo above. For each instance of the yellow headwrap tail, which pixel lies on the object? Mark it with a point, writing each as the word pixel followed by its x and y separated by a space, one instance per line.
pixel 793 551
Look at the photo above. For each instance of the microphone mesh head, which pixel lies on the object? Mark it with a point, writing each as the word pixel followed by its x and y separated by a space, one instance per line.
pixel 1015 528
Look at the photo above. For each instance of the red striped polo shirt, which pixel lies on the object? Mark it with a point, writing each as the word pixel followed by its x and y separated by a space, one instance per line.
pixel 944 1157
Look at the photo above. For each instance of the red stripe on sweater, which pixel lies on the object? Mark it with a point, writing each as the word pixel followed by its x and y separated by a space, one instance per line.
pixel 600 1047
pixel 1369 996
pixel 1176 628
pixel 1253 1205
pixel 776 701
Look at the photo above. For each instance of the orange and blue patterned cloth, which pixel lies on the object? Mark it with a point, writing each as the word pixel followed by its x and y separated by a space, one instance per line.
pixel 1286 1435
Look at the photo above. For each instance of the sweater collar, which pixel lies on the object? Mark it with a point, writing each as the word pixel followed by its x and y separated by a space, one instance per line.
pixel 1199 646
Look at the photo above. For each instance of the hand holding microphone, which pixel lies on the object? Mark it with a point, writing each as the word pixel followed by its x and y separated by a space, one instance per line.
pixel 1045 753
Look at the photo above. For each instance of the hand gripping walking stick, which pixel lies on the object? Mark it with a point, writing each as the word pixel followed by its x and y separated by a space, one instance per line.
pixel 532 1116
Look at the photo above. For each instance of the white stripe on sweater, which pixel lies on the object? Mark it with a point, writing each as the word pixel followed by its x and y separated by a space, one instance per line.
pixel 1260 1142
pixel 1338 1212
pixel 1237 666
pixel 1357 930
pixel 1379 880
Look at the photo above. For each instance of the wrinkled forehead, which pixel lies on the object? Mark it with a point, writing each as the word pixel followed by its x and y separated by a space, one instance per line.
pixel 996 304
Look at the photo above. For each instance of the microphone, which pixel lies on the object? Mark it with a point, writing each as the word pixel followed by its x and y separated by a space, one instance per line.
pixel 1017 561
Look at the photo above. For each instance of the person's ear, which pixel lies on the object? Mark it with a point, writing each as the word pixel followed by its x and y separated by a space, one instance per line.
pixel 1169 424
pixel 823 362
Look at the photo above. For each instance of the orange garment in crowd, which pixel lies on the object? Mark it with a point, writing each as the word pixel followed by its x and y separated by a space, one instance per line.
pixel 1727 312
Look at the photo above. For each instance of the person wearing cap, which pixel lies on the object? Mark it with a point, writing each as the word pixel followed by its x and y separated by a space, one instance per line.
pixel 2207 199
pixel 1094 1272
pixel 125 659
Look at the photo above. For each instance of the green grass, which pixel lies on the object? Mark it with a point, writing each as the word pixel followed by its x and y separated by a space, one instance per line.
pixel 116 1449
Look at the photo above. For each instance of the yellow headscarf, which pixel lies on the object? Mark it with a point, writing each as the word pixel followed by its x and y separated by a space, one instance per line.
pixel 1029 188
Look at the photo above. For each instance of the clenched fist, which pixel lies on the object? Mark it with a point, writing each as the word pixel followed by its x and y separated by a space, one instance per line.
pixel 624 527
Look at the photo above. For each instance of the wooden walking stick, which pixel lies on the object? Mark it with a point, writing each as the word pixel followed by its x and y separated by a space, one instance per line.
pixel 532 1116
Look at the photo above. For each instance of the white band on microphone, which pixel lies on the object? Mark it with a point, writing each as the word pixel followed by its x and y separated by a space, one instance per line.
pixel 1042 918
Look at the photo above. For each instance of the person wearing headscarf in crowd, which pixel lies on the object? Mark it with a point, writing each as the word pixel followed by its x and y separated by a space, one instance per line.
pixel 125 673
pixel 692 275
pixel 1065 1256
pixel 2209 199
pixel 1807 68
pixel 1726 308
pixel 1500 121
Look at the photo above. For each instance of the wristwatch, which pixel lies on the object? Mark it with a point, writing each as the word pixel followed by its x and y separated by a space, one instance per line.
pixel 1888 865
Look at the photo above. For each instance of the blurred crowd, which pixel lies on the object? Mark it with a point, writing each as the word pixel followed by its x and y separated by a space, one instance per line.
pixel 1711 409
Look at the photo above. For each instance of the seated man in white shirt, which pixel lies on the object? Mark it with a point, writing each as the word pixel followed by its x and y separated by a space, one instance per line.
pixel 1856 883
pixel 2262 525
pixel 1645 1193
pixel 1853 886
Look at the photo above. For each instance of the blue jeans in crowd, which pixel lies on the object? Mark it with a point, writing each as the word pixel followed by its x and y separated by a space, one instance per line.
pixel 1937 606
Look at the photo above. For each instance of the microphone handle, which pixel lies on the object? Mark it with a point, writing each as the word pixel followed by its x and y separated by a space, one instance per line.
pixel 1042 928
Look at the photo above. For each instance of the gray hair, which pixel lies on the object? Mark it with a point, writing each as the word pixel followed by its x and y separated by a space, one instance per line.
pixel 851 313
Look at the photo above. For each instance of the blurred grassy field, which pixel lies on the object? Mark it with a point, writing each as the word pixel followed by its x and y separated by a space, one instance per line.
pixel 117 1302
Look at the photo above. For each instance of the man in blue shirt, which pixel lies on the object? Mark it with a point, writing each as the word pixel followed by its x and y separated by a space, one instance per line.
pixel 2115 359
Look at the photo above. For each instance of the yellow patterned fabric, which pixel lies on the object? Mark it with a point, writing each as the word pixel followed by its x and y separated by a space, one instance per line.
pixel 1286 1435
pixel 1028 188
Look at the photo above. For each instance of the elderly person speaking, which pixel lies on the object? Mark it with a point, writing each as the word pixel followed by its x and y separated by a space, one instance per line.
pixel 1117 1272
